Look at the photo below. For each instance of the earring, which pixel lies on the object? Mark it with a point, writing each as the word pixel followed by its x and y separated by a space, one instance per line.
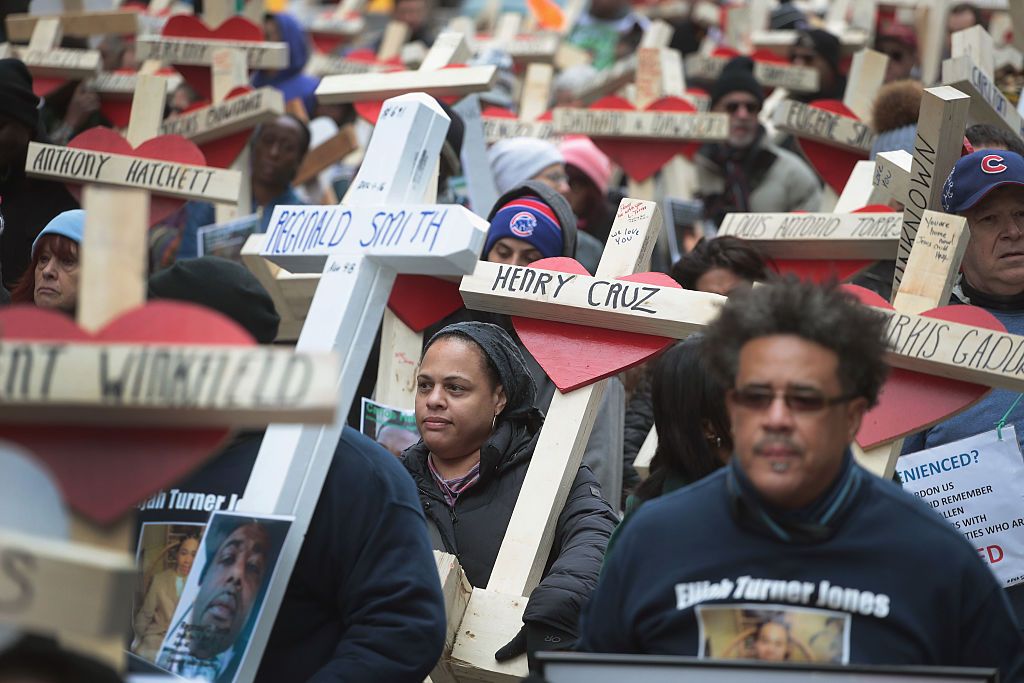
pixel 494 421
pixel 714 439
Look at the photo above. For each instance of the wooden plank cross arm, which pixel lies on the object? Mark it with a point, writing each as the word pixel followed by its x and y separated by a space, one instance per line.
pixel 121 170
pixel 46 59
pixel 199 52
pixel 818 235
pixel 494 614
pixel 78 24
pixel 221 119
pixel 342 88
pixel 813 123
pixel 84 589
pixel 608 123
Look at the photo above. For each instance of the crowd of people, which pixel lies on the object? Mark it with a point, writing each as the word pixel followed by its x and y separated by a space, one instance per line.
pixel 756 533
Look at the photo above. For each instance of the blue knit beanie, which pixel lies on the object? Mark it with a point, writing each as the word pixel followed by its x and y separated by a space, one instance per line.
pixel 528 219
pixel 70 224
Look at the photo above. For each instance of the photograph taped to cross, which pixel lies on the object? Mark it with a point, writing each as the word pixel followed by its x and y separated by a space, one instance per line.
pixel 345 314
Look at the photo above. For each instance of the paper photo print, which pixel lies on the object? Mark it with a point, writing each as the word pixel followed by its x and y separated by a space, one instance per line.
pixel 223 596
pixel 773 633
pixel 166 553
pixel 392 428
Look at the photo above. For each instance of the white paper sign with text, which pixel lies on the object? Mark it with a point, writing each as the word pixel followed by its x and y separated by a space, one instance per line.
pixel 977 484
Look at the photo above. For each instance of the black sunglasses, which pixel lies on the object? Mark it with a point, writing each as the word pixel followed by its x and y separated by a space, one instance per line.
pixel 752 107
pixel 797 400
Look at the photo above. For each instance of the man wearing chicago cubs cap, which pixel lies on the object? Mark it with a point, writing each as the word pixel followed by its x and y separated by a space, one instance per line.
pixel 987 188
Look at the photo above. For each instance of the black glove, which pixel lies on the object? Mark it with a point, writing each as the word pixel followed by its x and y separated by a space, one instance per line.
pixel 540 637
pixel 514 648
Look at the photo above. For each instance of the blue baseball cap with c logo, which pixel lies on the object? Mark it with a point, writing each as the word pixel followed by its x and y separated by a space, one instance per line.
pixel 975 175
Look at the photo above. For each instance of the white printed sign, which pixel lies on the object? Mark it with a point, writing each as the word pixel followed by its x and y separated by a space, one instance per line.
pixel 977 484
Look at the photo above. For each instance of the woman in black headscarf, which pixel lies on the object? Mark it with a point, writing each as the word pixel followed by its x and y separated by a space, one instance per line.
pixel 479 426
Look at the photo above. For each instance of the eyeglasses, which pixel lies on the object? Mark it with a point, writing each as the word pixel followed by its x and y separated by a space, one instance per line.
pixel 752 107
pixel 797 400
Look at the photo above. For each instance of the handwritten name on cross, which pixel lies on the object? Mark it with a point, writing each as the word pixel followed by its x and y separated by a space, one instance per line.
pixel 359 263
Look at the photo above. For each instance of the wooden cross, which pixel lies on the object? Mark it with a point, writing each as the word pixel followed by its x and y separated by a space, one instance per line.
pixel 522 47
pixel 78 24
pixel 792 77
pixel 917 343
pixel 533 102
pixel 46 59
pixel 359 247
pixel 70 383
pixel 623 71
pixel 199 52
pixel 346 21
pixel 494 614
pixel 937 145
pixel 970 70
pixel 850 134
pixel 396 33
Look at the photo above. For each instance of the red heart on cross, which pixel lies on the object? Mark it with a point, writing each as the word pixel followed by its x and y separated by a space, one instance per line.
pixel 104 471
pixel 190 26
pixel 42 86
pixel 574 356
pixel 912 401
pixel 118 110
pixel 502 113
pixel 824 270
pixel 369 110
pixel 419 301
pixel 640 158
pixel 834 165
pixel 329 42
pixel 165 148
pixel 222 152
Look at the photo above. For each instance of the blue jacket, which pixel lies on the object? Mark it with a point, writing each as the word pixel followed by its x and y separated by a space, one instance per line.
pixel 914 590
pixel 291 81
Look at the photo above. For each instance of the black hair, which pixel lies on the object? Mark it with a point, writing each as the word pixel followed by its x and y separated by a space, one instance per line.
pixel 688 400
pixel 823 314
pixel 985 135
pixel 489 366
pixel 979 19
pixel 726 251
pixel 42 659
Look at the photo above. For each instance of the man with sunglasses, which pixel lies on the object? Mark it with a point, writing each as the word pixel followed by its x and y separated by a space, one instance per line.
pixel 748 172
pixel 792 526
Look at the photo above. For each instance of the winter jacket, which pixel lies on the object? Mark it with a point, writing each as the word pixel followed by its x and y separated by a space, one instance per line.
pixel 474 529
pixel 639 421
pixel 776 180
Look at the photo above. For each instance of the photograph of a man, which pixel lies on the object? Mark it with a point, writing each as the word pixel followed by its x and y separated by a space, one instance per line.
pixel 222 600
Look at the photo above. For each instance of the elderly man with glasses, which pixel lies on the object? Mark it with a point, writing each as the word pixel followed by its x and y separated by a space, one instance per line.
pixel 792 527
pixel 748 172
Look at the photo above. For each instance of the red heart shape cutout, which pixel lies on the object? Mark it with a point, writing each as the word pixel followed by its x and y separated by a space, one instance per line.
pixel 223 151
pixel 574 356
pixel 165 148
pixel 419 301
pixel 912 401
pixel 190 26
pixel 104 472
pixel 824 270
pixel 44 86
pixel 641 159
pixel 369 110
pixel 834 165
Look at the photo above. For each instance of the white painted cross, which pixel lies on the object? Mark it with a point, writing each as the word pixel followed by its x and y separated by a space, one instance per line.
pixel 359 247
pixel 494 614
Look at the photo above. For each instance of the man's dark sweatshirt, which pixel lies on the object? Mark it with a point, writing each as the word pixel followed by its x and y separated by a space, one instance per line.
pixel 915 591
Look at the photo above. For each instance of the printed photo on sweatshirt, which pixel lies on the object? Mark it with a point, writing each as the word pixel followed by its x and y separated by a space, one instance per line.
pixel 773 633
pixel 223 596
pixel 165 555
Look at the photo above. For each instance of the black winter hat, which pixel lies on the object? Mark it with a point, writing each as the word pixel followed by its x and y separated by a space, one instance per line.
pixel 822 42
pixel 224 286
pixel 17 101
pixel 738 75
pixel 451 150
